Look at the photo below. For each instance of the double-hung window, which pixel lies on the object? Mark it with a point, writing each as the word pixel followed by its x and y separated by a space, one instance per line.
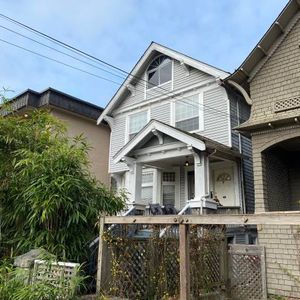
pixel 147 187
pixel 187 113
pixel 136 123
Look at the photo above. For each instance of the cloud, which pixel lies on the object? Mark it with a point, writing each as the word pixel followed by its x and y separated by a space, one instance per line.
pixel 219 32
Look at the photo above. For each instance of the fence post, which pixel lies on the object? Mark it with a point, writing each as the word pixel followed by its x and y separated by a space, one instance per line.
pixel 100 254
pixel 225 268
pixel 184 254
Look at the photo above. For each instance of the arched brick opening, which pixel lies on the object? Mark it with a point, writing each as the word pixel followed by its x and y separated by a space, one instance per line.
pixel 282 175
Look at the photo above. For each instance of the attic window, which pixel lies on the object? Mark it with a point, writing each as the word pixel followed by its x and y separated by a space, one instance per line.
pixel 159 71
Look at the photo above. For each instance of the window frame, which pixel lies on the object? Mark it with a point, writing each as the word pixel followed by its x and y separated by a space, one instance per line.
pixel 161 84
pixel 201 110
pixel 127 133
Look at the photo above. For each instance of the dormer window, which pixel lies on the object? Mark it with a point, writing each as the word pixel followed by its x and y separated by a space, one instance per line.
pixel 159 71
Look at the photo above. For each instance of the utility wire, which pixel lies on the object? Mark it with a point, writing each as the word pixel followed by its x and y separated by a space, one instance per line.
pixel 60 62
pixel 86 55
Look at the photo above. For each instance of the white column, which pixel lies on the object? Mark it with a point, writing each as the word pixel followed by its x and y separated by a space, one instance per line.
pixel 135 182
pixel 157 186
pixel 201 175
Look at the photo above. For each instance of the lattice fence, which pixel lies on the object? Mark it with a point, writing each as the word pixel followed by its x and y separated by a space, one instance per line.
pixel 247 268
pixel 207 259
pixel 148 267
pixel 56 273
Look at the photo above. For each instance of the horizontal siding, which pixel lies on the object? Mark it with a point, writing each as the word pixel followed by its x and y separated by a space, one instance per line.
pixel 248 174
pixel 162 113
pixel 117 142
pixel 216 115
pixel 181 79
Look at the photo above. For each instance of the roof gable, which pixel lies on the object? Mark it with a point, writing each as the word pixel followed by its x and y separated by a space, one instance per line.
pixel 142 64
pixel 268 44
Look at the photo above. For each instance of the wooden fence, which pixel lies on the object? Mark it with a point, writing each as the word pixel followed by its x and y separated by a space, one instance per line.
pixel 184 222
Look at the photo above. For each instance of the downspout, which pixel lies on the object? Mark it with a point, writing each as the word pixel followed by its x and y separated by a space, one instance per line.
pixel 241 164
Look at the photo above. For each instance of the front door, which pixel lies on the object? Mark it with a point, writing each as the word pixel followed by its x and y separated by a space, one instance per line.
pixel 168 188
pixel 224 188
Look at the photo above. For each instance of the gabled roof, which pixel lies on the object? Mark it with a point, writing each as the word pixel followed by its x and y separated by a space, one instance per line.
pixel 142 64
pixel 55 98
pixel 267 45
pixel 194 140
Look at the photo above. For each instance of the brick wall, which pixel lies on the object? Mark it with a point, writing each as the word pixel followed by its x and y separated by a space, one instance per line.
pixel 282 259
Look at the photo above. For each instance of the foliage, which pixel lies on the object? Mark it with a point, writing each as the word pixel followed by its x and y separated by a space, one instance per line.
pixel 14 285
pixel 48 197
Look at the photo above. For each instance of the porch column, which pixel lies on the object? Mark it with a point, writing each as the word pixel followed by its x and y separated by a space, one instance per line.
pixel 201 171
pixel 135 181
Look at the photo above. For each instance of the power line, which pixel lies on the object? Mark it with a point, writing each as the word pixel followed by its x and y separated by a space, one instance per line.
pixel 86 55
pixel 58 61
pixel 61 52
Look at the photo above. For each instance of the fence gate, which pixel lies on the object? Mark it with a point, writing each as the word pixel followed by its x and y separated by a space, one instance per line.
pixel 247 272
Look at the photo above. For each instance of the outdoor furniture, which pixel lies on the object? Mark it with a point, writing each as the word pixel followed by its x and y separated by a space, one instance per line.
pixel 156 209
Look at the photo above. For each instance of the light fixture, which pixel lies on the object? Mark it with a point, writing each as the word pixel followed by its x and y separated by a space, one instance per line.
pixel 186 162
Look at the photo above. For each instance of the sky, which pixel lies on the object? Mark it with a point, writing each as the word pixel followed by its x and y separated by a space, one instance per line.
pixel 218 32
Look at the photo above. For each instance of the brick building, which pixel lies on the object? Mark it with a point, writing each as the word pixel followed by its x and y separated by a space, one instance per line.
pixel 269 79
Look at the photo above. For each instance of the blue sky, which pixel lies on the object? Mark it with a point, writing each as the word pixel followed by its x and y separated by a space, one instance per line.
pixel 218 32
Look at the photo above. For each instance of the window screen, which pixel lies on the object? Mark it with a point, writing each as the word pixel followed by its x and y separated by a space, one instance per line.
pixel 187 113
pixel 137 122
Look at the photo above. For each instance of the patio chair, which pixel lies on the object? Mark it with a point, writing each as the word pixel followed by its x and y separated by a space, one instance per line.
pixel 169 209
pixel 155 209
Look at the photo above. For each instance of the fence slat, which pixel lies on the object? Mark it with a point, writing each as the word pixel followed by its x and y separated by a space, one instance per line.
pixel 184 262
pixel 100 254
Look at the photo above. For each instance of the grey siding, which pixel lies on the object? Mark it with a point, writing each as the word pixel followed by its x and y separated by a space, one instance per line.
pixel 116 143
pixel 216 125
pixel 239 113
pixel 162 113
pixel 181 79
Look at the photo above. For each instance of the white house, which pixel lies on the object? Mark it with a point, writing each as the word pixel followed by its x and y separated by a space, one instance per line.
pixel 172 138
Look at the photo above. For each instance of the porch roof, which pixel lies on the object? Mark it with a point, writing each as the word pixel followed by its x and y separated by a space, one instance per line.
pixel 194 140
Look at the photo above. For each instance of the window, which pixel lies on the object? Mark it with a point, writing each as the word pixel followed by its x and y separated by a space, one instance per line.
pixel 187 113
pixel 168 188
pixel 136 123
pixel 159 71
pixel 147 187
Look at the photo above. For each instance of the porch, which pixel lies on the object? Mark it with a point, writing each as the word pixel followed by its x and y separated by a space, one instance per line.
pixel 173 168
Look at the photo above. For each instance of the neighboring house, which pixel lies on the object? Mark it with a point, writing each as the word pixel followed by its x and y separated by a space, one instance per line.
pixel 80 117
pixel 271 76
pixel 172 141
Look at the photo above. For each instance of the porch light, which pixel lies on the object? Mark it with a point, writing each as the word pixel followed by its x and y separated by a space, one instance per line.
pixel 186 163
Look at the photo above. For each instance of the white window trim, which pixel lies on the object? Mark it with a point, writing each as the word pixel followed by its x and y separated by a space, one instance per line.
pixel 201 109
pixel 176 183
pixel 128 120
pixel 150 184
pixel 160 85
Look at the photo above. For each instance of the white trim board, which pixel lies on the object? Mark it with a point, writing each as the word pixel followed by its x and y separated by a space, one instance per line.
pixel 168 130
pixel 154 47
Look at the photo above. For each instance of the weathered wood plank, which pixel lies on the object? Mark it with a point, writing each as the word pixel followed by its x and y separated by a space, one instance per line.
pixel 184 262
pixel 100 254
pixel 278 218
